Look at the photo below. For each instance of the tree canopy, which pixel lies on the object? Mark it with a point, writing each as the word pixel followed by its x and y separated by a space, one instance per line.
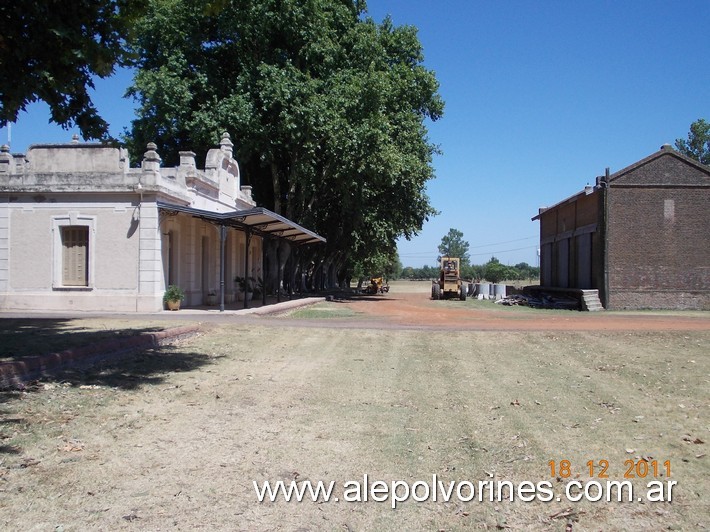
pixel 453 245
pixel 697 146
pixel 50 50
pixel 327 109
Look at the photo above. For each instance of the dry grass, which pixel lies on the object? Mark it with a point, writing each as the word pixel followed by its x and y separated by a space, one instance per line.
pixel 323 311
pixel 174 439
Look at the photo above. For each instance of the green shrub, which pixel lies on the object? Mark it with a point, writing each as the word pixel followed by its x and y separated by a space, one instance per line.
pixel 173 293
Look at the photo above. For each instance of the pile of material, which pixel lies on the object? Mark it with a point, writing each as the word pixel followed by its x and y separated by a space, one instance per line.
pixel 542 300
pixel 517 299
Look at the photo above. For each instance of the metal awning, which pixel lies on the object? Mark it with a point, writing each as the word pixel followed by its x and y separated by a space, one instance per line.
pixel 257 220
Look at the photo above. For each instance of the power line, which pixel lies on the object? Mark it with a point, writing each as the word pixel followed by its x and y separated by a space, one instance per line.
pixel 505 242
pixel 418 254
pixel 502 251
pixel 492 253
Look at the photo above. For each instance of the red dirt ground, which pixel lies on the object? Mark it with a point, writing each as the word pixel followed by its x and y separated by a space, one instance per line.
pixel 417 310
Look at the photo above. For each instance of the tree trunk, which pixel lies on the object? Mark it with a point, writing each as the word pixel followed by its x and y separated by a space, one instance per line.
pixel 318 276
pixel 271 268
pixel 283 251
pixel 275 180
pixel 293 270
pixel 332 276
pixel 292 187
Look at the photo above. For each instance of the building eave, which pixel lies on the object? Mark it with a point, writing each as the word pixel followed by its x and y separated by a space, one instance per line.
pixel 258 220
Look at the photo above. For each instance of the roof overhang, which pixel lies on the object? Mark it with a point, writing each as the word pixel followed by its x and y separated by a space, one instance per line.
pixel 257 220
pixel 565 201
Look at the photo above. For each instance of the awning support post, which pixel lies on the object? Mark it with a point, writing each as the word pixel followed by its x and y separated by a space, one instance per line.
pixel 222 240
pixel 247 235
pixel 263 266
pixel 278 273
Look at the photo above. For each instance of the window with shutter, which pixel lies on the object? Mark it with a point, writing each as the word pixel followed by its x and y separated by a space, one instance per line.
pixel 75 255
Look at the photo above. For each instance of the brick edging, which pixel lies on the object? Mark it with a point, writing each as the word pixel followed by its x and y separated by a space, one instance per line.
pixel 284 306
pixel 31 367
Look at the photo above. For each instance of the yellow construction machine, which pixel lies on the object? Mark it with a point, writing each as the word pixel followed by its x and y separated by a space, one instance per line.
pixel 449 284
pixel 377 286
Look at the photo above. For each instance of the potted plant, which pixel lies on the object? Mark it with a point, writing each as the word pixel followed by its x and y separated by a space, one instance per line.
pixel 211 299
pixel 238 288
pixel 246 286
pixel 172 297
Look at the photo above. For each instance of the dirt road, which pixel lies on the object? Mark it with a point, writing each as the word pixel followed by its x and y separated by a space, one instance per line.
pixel 417 310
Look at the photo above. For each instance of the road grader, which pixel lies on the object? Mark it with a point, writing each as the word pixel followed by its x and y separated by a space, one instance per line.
pixel 449 284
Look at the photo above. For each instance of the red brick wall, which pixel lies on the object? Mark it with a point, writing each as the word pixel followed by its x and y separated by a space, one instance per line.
pixel 659 237
pixel 563 223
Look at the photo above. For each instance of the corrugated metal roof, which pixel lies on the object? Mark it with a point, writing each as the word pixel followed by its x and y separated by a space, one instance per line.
pixel 258 220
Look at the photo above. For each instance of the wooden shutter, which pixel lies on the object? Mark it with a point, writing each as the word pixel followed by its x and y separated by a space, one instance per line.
pixel 75 255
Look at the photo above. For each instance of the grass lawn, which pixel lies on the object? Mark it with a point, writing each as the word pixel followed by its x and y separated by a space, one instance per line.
pixel 324 310
pixel 174 439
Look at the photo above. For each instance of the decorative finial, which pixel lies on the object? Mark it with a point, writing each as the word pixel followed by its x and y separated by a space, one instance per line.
pixel 151 154
pixel 226 143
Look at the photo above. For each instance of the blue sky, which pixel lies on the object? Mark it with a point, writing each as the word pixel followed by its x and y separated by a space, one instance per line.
pixel 541 97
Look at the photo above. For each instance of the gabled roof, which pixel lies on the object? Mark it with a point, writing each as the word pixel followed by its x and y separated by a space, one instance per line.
pixel 666 150
pixel 259 221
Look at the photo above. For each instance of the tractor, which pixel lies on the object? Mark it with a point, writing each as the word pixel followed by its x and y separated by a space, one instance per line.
pixel 377 285
pixel 449 284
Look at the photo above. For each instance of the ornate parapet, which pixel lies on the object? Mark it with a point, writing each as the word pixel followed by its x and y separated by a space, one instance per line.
pixel 93 167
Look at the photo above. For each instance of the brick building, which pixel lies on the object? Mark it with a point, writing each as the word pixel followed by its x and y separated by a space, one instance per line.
pixel 640 236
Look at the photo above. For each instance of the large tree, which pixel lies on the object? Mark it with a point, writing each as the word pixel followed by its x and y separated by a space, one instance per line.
pixel 326 106
pixel 453 245
pixel 51 50
pixel 698 144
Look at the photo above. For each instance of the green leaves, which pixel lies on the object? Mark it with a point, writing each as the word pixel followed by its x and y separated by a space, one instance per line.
pixel 453 245
pixel 327 108
pixel 698 144
pixel 51 50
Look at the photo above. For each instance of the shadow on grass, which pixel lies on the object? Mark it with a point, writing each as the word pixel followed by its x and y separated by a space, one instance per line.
pixel 9 423
pixel 9 449
pixel 21 337
pixel 145 368
pixel 129 372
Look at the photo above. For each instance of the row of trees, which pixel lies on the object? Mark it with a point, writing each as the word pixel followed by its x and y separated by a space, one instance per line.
pixel 453 245
pixel 493 271
pixel 327 109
